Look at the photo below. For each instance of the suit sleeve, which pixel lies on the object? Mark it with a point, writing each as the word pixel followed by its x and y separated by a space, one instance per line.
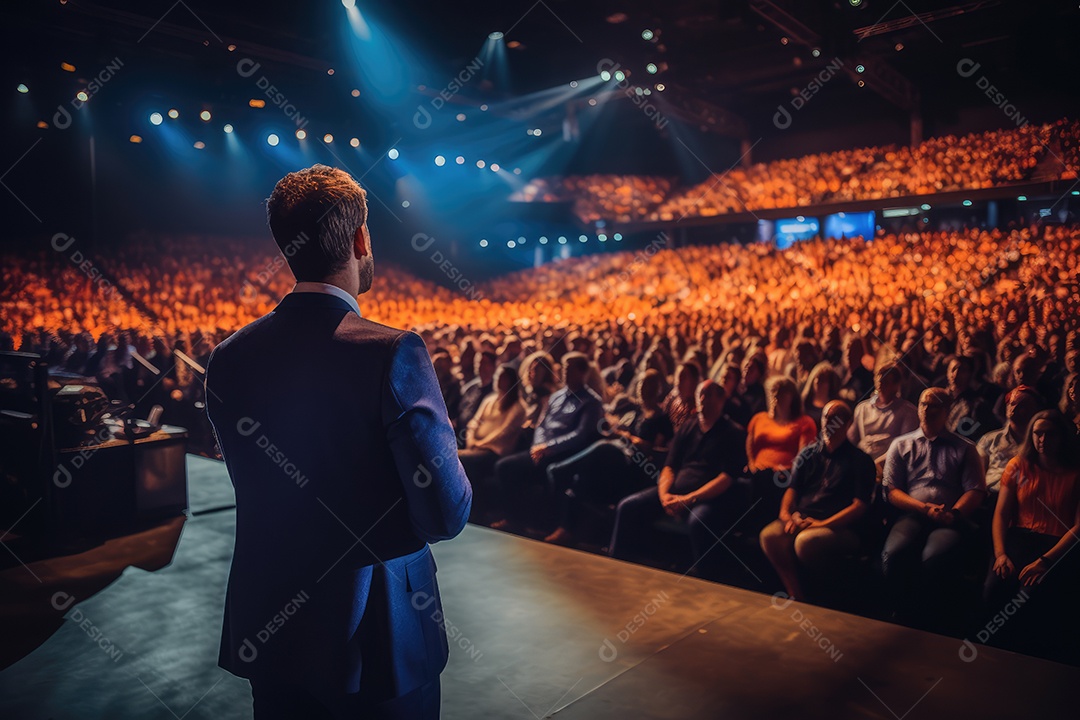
pixel 423 443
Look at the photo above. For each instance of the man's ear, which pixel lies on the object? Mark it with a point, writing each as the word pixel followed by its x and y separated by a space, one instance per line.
pixel 362 242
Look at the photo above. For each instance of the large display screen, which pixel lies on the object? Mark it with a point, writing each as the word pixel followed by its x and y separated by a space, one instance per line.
pixel 847 225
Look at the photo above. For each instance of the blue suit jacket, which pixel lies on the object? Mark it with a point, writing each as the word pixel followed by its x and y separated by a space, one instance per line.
pixel 344 461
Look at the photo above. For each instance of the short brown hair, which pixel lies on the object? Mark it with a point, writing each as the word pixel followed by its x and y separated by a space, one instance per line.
pixel 314 214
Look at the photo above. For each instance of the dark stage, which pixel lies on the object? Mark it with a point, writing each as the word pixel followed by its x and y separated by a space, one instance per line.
pixel 535 631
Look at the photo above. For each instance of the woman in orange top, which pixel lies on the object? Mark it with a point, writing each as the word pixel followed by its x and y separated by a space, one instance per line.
pixel 773 439
pixel 1036 523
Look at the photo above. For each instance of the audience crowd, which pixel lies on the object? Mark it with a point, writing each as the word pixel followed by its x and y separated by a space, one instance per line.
pixel 941 164
pixel 899 414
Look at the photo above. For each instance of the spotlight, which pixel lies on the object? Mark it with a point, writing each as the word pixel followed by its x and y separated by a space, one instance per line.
pixel 483 108
pixel 355 142
pixel 618 237
pixel 67 67
pixel 199 144
pixel 573 84
pixel 860 68
pixel 1022 198
pixel 855 3
pixel 328 138
pixel 517 171
pixel 301 134
pixel 495 36
pixel 174 113
pixel 651 68
pixel 480 164
pixel 592 101
pixel 135 139
pixel 647 35
pixel 256 103
pixel 231 48
pixel 815 52
pixel 459 160
pixel 521 240
pixel 602 237
pixel 22 88
pixel 511 244
pixel 155 118
pixel 967 203
pixel 543 240
pixel 583 238
pixel 562 239
pixel 483 242
pixel 495 168
pixel 405 203
pixel 440 160
pixel 538 132
pixel 355 93
pixel 330 71
pixel 620 75
pixel 272 140
pixel 461 117
pixel 82 96
pixel 349 4
pixel 205 116
pixel 924 206
pixel 661 87
pixel 228 128
pixel 392 153
pixel 605 75
pixel 862 83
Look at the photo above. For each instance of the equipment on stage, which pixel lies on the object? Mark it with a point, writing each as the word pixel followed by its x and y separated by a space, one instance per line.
pixel 74 462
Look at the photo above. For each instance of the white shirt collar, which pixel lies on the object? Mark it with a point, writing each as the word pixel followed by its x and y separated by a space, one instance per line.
pixel 327 289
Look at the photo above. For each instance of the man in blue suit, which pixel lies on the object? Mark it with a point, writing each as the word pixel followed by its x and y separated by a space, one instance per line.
pixel 344 461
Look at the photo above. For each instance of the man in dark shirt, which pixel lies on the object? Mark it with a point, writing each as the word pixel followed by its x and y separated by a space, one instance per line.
pixel 831 483
pixel 706 457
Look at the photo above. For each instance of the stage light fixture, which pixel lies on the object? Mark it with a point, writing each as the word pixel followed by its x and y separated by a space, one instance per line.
pixel 619 75
pixel 661 87
pixel 68 67
pixel 392 153
pixel 543 240
pixel 328 138
pixel 495 36
pixel 349 4
pixel 511 244
pixel 583 238
pixel 602 237
pixel 855 3
pixel 562 239
pixel 494 167
pixel 231 48
pixel 592 101
pixel 228 128
pixel 651 68
pixel 461 117
pixel 573 83
pixel 205 116
pixel 405 203
pixel 355 142
pixel 301 134
pixel 330 71
pixel 605 75
pixel 483 108
pixel 256 103
pixel 925 206
pixel 82 96
pixel 135 139
pixel 155 118
pixel 647 34
pixel 967 203
pixel 22 88
pixel 618 237
pixel 1022 198
pixel 521 240
pixel 860 68
pixel 815 52
pixel 272 140
pixel 459 160
pixel 355 93
pixel 517 171
pixel 174 113
pixel 440 160
pixel 199 144
pixel 480 164
pixel 42 125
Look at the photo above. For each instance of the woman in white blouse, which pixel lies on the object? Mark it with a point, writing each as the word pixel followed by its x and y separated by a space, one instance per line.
pixel 493 432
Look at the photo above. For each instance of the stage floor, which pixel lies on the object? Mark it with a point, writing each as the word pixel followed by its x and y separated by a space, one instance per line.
pixel 537 631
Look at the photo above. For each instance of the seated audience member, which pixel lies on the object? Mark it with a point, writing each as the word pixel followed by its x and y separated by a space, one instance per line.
pixel 884 416
pixel 571 422
pixel 856 381
pixel 695 484
pixel 822 387
pixel 474 391
pixel 537 374
pixel 1036 525
pixel 934 479
pixel 998 447
pixel 730 377
pixel 773 439
pixel 612 468
pixel 806 357
pixel 831 483
pixel 971 415
pixel 754 369
pixel 1070 400
pixel 679 404
pixel 492 434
